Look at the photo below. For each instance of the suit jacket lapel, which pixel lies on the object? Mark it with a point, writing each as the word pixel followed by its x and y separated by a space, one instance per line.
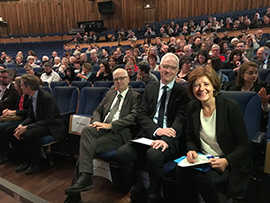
pixel 38 101
pixel 155 95
pixel 196 120
pixel 219 120
pixel 170 106
pixel 125 104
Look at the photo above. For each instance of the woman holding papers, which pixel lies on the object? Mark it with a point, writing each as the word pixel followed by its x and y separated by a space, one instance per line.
pixel 215 127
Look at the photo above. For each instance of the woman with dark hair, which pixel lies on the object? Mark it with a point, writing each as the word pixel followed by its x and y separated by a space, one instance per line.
pixel 185 69
pixel 235 60
pixel 104 73
pixel 215 127
pixel 112 63
pixel 201 59
pixel 247 80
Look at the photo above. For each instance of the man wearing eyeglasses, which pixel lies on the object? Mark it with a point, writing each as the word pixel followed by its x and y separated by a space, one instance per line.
pixel 161 116
pixel 110 128
pixel 8 95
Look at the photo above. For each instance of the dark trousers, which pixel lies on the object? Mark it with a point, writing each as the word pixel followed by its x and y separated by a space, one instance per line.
pixel 96 142
pixel 208 184
pixel 4 138
pixel 145 157
pixel 28 147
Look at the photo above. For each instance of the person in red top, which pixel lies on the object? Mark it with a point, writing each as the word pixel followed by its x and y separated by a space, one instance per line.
pixel 215 52
pixel 11 119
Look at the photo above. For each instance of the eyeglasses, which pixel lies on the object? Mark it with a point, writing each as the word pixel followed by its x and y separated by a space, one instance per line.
pixel 169 67
pixel 120 78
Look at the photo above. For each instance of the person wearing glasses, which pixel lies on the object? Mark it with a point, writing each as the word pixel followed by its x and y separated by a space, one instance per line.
pixel 9 97
pixel 161 117
pixel 111 127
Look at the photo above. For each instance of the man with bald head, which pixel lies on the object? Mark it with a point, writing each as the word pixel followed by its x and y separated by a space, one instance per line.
pixel 161 117
pixel 110 128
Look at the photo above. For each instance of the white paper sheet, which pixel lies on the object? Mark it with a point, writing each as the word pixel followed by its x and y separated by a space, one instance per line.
pixel 143 140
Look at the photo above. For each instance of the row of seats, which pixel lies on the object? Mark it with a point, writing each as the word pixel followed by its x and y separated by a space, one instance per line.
pixel 71 100
pixel 82 84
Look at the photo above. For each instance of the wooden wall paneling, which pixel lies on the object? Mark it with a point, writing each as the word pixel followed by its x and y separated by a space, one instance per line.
pixel 205 5
pixel 181 8
pixel 172 9
pixel 64 20
pixel 159 10
pixel 195 7
pixel 220 6
pixel 35 15
pixel 266 3
pixel 40 18
pixel 3 13
pixel 50 16
pixel 53 26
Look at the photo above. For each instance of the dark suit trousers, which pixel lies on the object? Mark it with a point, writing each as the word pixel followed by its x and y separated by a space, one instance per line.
pixel 28 148
pixel 4 127
pixel 95 142
pixel 208 184
pixel 145 157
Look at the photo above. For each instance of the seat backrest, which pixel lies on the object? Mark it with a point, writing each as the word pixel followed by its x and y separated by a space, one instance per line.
pixel 137 84
pixel 250 104
pixel 58 83
pixel 81 84
pixel 90 97
pixel 103 84
pixel 20 71
pixel 66 99
pixel 47 88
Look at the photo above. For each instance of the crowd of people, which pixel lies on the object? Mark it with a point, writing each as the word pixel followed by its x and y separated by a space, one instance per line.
pixel 176 28
pixel 180 110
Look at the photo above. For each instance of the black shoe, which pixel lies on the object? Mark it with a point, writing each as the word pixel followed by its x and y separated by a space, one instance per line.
pixel 22 167
pixel 32 169
pixel 3 159
pixel 154 198
pixel 83 183
pixel 75 198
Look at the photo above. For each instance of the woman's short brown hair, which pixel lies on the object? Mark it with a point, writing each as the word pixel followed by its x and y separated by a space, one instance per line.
pixel 207 71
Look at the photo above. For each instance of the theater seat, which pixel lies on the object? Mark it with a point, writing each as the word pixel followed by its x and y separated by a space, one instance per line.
pixel 103 84
pixel 80 84
pixel 66 100
pixel 90 97
pixel 250 104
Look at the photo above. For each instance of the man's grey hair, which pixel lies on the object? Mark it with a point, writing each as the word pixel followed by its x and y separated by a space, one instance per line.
pixel 170 55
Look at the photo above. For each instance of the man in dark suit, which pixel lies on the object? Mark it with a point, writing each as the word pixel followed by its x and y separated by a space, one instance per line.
pixel 161 117
pixel 110 128
pixel 43 119
pixel 9 97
